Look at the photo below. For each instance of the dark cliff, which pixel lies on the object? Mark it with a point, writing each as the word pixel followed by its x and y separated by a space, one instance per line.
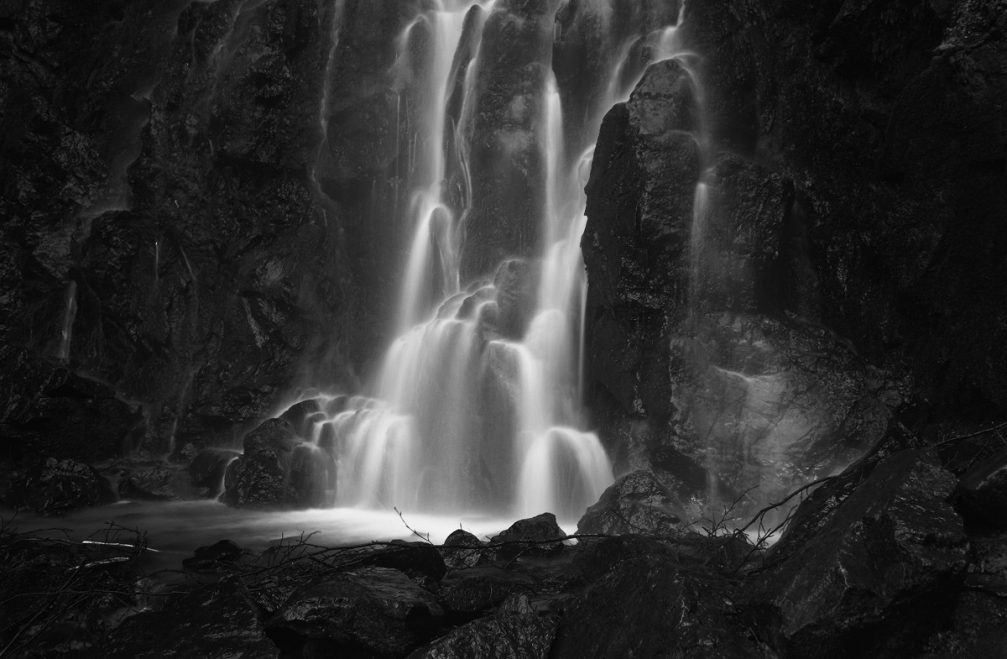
pixel 183 193
pixel 849 258
pixel 200 200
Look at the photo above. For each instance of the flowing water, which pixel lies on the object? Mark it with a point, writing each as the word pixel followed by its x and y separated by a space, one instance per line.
pixel 477 404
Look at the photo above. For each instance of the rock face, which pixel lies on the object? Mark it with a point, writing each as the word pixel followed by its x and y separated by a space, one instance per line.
pixel 706 622
pixel 763 326
pixel 636 503
pixel 876 574
pixel 175 212
pixel 982 494
pixel 372 611
pixel 531 536
pixel 59 486
pixel 506 156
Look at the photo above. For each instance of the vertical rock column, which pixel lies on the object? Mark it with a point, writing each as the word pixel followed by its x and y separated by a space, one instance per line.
pixel 635 248
pixel 507 164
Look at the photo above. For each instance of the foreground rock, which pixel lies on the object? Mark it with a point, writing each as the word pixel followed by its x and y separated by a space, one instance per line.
pixel 876 576
pixel 374 611
pixel 636 503
pixel 279 470
pixel 648 606
pixel 59 486
pixel 213 621
pixel 982 493
pixel 516 630
pixel 530 537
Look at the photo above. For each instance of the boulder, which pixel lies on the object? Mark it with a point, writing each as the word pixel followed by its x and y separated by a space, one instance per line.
pixel 659 610
pixel 374 611
pixel 419 560
pixel 154 481
pixel 59 486
pixel 878 574
pixel 982 492
pixel 260 476
pixel 301 416
pixel 211 558
pixel 530 537
pixel 312 477
pixel 212 621
pixel 206 471
pixel 461 549
pixel 499 636
pixel 478 589
pixel 637 503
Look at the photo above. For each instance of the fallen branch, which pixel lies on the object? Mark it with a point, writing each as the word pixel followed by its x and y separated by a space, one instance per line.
pixel 424 537
pixel 994 428
pixel 804 488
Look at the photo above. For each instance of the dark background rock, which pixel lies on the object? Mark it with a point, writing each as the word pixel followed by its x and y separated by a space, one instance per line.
pixel 637 504
pixel 166 234
pixel 876 575
pixel 854 158
pixel 55 487
pixel 372 612
pixel 638 594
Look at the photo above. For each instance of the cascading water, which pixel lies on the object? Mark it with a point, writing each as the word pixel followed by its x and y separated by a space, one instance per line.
pixel 476 406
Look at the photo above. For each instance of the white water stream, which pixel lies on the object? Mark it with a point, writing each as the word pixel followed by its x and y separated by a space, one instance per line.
pixel 461 416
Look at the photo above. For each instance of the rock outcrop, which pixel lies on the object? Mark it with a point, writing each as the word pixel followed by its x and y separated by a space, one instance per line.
pixel 834 264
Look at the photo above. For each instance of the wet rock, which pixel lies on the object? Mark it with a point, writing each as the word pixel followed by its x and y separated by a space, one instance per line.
pixel 211 557
pixel 206 471
pixel 42 614
pixel 48 410
pixel 215 620
pixel 635 504
pixel 312 477
pixel 201 125
pixel 745 260
pixel 372 611
pixel 505 161
pixel 879 574
pixel 461 549
pixel 158 481
pixel 817 510
pixel 987 571
pixel 477 589
pixel 642 591
pixel 59 486
pixel 516 282
pixel 891 240
pixel 597 558
pixel 530 537
pixel 500 636
pixel 301 415
pixel 259 476
pixel 416 559
pixel 635 248
pixel 977 628
pixel 982 492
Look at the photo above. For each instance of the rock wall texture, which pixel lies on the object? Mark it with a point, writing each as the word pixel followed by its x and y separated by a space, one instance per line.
pixel 183 187
pixel 847 259
pixel 202 201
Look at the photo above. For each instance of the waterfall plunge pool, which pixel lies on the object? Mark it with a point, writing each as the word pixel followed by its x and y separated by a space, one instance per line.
pixel 174 529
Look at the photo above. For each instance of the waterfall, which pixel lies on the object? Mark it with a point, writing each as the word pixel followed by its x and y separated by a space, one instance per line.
pixel 66 325
pixel 476 405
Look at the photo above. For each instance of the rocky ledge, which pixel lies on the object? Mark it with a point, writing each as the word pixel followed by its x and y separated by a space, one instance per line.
pixel 897 556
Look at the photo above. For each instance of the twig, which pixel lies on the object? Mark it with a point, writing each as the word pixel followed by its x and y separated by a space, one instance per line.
pixel 421 536
pixel 994 428
pixel 759 515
